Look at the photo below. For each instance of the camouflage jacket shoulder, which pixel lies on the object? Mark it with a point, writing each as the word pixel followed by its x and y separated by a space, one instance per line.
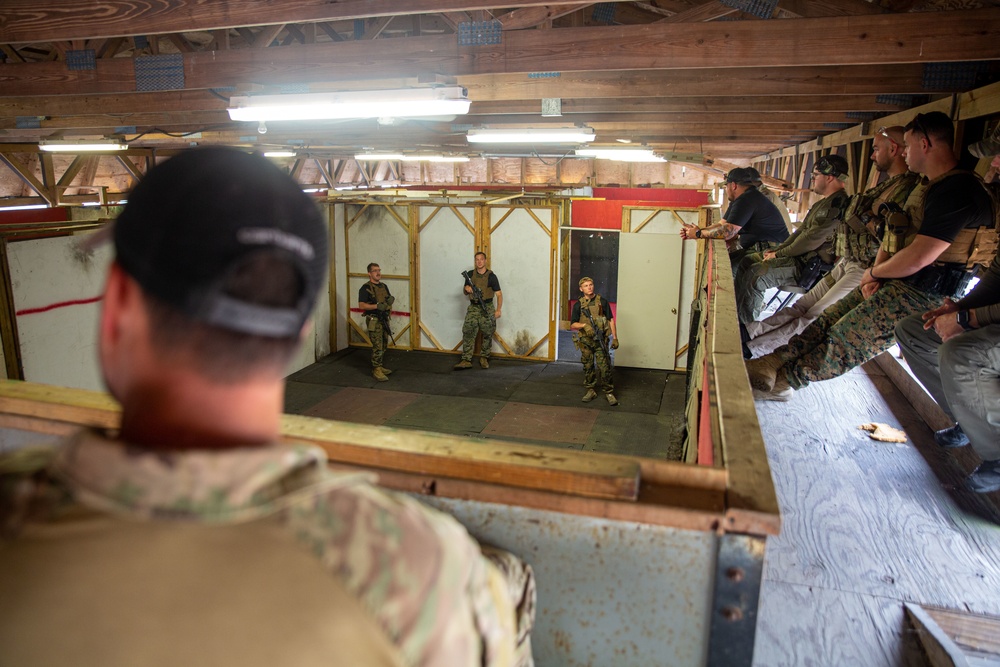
pixel 419 573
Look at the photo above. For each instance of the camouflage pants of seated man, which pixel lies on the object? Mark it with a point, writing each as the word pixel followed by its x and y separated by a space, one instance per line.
pixel 755 276
pixel 379 338
pixel 595 362
pixel 475 321
pixel 851 332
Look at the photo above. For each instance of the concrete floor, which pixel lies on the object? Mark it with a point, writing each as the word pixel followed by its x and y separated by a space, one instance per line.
pixel 514 400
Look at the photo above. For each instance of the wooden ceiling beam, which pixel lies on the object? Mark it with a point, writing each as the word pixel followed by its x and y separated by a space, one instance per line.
pixel 914 38
pixel 530 17
pixel 707 11
pixel 673 104
pixel 29 21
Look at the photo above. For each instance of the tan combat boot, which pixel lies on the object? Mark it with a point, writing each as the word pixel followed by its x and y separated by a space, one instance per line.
pixel 484 362
pixel 763 371
pixel 462 365
pixel 379 375
pixel 611 398
pixel 589 396
pixel 386 370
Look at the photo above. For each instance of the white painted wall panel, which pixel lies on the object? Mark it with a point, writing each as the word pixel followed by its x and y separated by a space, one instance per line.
pixel 648 279
pixel 445 248
pixel 58 346
pixel 523 257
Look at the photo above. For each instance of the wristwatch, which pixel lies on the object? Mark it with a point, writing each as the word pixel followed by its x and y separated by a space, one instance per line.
pixel 697 233
pixel 963 320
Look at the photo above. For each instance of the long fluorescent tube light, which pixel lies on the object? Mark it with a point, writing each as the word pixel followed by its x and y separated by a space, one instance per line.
pixel 279 154
pixel 80 146
pixel 378 156
pixel 435 158
pixel 621 154
pixel 443 101
pixel 556 135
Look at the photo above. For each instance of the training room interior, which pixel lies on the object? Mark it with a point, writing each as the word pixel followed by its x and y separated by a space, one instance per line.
pixel 686 525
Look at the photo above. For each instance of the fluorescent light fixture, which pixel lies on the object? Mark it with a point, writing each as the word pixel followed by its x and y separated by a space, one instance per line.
pixel 435 158
pixel 26 207
pixel 443 101
pixel 555 135
pixel 81 145
pixel 621 154
pixel 378 156
pixel 279 154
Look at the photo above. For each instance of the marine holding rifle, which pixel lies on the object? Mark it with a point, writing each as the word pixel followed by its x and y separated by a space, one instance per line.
pixel 485 302
pixel 595 338
pixel 375 300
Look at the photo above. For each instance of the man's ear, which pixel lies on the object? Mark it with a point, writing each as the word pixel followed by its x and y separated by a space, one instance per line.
pixel 120 323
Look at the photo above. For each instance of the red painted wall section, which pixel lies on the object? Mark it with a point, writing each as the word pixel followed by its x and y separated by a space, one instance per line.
pixel 605 210
pixel 59 214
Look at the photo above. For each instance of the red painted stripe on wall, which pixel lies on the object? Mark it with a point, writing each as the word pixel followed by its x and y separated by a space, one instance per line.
pixel 61 304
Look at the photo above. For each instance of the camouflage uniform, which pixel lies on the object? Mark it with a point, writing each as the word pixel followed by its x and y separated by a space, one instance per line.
pixel 595 360
pixel 476 320
pixel 416 571
pixel 814 238
pixel 856 250
pixel 850 332
pixel 856 329
pixel 377 334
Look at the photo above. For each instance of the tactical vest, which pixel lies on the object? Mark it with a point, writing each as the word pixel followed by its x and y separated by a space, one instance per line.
pixel 594 306
pixel 971 247
pixel 378 292
pixel 824 211
pixel 860 235
pixel 483 283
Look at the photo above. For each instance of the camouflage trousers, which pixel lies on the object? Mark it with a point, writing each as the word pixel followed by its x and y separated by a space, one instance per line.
pixel 379 338
pixel 595 362
pixel 475 321
pixel 850 332
pixel 755 276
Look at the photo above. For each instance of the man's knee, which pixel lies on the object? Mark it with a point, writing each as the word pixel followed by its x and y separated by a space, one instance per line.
pixel 908 329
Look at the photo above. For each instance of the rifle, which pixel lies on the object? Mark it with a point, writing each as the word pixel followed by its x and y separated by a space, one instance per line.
pixel 602 338
pixel 382 315
pixel 477 294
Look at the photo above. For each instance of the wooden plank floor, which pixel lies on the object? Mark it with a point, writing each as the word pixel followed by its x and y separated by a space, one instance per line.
pixel 866 526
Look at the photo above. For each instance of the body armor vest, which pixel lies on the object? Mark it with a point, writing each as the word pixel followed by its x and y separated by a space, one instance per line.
pixel 378 292
pixel 860 235
pixel 483 283
pixel 971 247
pixel 596 311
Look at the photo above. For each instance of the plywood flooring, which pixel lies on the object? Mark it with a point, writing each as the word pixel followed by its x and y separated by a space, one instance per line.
pixel 866 526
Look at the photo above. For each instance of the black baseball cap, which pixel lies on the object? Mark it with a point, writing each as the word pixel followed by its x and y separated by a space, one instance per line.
pixel 755 175
pixel 740 176
pixel 193 221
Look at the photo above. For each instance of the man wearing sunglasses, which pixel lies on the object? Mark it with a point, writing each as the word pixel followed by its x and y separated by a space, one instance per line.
pixel 811 242
pixel 857 243
pixel 926 256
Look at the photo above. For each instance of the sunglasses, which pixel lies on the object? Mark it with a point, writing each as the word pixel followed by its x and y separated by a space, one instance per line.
pixel 918 126
pixel 883 131
pixel 825 168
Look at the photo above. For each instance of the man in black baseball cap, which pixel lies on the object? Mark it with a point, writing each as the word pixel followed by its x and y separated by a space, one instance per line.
pixel 195 517
pixel 750 216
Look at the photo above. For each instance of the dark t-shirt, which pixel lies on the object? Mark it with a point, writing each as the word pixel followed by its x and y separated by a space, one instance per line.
pixel 954 203
pixel 365 295
pixel 757 218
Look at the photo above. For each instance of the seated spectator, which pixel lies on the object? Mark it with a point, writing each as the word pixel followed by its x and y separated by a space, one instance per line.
pixel 812 241
pixel 751 223
pixel 929 250
pixel 856 246
pixel 954 351
pixel 191 535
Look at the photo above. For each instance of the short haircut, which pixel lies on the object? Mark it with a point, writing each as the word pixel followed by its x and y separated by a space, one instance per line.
pixel 585 279
pixel 935 125
pixel 222 355
pixel 480 253
pixel 372 265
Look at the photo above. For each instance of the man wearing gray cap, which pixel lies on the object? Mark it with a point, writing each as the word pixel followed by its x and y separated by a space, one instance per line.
pixel 751 223
pixel 192 534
